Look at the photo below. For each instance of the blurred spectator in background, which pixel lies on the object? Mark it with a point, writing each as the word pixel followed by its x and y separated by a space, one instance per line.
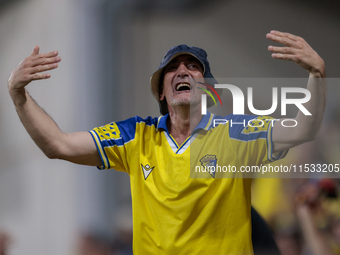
pixel 94 244
pixel 5 241
pixel 317 211
pixel 119 242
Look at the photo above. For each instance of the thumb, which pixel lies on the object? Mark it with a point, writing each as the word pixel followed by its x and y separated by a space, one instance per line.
pixel 35 50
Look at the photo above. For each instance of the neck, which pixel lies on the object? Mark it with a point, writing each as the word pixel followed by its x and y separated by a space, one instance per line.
pixel 183 121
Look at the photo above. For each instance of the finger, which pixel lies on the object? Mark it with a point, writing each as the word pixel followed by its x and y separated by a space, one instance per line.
pixel 284 50
pixel 35 50
pixel 46 55
pixel 289 57
pixel 284 40
pixel 284 34
pixel 43 68
pixel 45 61
pixel 39 76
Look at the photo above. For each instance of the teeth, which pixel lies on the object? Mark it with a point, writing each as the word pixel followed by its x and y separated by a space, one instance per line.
pixel 182 85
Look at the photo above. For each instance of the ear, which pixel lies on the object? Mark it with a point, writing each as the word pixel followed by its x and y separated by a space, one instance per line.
pixel 161 97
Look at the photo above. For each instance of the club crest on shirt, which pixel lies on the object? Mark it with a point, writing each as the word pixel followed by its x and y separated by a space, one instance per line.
pixel 209 164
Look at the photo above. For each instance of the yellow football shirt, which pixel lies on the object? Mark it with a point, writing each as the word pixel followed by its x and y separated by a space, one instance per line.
pixel 176 211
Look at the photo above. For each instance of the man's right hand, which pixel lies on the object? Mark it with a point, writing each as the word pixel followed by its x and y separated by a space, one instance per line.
pixel 31 69
pixel 76 147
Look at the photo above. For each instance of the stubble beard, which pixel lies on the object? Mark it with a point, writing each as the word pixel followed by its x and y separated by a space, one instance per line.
pixel 193 100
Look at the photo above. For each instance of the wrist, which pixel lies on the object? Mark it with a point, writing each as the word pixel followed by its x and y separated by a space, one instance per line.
pixel 319 72
pixel 19 97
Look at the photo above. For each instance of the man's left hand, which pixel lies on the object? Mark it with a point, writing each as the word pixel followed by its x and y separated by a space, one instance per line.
pixel 297 50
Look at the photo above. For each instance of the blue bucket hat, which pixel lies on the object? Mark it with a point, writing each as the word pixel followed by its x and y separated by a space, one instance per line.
pixel 182 49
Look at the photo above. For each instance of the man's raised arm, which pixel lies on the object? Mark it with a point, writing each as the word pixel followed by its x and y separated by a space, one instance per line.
pixel 75 147
pixel 296 49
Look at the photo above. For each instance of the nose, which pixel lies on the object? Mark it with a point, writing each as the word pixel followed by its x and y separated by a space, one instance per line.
pixel 182 70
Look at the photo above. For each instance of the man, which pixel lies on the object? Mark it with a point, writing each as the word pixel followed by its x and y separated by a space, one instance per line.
pixel 172 212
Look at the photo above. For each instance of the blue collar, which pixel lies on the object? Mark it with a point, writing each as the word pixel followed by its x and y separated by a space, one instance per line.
pixel 205 122
pixel 162 122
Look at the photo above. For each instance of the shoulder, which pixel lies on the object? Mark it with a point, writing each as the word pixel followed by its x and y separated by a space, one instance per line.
pixel 137 120
pixel 129 127
pixel 249 127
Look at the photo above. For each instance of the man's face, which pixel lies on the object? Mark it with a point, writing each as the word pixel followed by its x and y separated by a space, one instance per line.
pixel 179 87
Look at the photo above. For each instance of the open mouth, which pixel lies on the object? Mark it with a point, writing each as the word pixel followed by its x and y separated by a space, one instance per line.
pixel 183 87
